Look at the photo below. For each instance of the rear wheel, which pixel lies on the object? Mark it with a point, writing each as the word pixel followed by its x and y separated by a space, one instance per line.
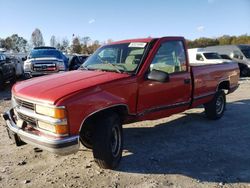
pixel 108 141
pixel 1 82
pixel 215 108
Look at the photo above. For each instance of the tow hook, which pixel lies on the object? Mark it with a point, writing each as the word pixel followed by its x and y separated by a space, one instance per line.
pixel 27 75
pixel 5 116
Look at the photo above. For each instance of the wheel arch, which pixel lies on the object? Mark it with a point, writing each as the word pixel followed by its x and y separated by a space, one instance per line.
pixel 223 85
pixel 121 109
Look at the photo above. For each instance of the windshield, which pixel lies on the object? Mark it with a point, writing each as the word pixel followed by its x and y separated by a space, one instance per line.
pixel 44 53
pixel 117 57
pixel 212 55
pixel 246 52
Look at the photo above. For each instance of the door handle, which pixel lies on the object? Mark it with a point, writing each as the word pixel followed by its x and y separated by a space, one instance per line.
pixel 187 81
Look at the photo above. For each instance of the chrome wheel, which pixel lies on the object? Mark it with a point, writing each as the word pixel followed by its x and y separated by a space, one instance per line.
pixel 220 105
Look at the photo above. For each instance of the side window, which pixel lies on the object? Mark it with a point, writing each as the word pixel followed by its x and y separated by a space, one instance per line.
pixel 170 58
pixel 199 57
pixel 236 55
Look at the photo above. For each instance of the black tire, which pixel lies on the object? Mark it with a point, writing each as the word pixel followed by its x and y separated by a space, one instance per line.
pixel 86 137
pixel 26 76
pixel 2 82
pixel 14 78
pixel 108 141
pixel 244 72
pixel 215 108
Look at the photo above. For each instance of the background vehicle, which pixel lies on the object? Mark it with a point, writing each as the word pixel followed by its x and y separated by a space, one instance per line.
pixel 45 60
pixel 225 56
pixel 122 82
pixel 7 70
pixel 76 60
pixel 238 53
pixel 200 55
pixel 16 59
pixel 18 63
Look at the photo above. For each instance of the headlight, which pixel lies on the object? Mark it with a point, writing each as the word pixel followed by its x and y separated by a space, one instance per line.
pixel 59 113
pixel 13 102
pixel 27 65
pixel 61 65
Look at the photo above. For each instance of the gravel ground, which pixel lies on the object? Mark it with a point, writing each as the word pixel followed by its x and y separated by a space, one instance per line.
pixel 184 150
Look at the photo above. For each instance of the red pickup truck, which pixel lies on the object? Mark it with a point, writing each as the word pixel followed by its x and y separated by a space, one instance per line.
pixel 122 82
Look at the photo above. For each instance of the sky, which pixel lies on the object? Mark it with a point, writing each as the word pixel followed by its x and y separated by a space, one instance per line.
pixel 124 19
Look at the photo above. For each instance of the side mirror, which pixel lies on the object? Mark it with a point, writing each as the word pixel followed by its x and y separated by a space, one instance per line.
pixel 159 76
pixel 24 58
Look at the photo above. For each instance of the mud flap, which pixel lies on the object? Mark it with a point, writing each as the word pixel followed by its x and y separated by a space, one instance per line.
pixel 15 138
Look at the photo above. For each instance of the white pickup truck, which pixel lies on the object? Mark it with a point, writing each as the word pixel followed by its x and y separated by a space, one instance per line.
pixel 201 56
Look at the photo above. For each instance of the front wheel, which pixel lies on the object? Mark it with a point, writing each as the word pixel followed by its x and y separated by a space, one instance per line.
pixel 14 78
pixel 86 137
pixel 108 141
pixel 215 108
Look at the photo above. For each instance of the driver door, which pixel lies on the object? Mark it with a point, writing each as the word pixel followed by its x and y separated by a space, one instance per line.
pixel 160 99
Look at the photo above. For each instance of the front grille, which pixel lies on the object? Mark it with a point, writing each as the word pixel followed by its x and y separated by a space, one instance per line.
pixel 45 66
pixel 25 104
pixel 28 119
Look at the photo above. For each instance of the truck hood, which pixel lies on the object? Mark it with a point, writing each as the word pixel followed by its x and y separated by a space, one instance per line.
pixel 42 59
pixel 49 89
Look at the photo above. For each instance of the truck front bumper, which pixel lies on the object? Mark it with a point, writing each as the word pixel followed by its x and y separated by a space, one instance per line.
pixel 30 74
pixel 61 146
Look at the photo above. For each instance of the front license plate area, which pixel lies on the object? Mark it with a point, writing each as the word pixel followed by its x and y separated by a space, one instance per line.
pixel 19 123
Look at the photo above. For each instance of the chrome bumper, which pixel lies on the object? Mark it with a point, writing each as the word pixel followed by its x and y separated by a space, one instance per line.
pixel 33 73
pixel 61 146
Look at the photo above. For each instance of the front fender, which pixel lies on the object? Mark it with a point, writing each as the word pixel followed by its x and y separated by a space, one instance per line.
pixel 82 106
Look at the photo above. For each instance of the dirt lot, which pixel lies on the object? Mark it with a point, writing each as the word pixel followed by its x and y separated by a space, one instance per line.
pixel 184 150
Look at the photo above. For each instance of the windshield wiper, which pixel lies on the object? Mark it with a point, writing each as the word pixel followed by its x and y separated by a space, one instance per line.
pixel 83 67
pixel 113 65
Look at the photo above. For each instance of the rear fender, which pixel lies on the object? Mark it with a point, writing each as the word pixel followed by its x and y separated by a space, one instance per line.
pixel 225 85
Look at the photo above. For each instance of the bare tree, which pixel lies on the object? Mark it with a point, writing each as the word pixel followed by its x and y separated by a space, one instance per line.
pixel 92 48
pixel 37 38
pixel 53 41
pixel 65 44
pixel 109 41
pixel 86 40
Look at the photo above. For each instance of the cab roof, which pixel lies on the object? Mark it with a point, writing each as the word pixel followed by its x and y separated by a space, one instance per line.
pixel 149 39
pixel 134 40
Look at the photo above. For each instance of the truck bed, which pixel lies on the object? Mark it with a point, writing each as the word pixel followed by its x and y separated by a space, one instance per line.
pixel 195 64
pixel 207 77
